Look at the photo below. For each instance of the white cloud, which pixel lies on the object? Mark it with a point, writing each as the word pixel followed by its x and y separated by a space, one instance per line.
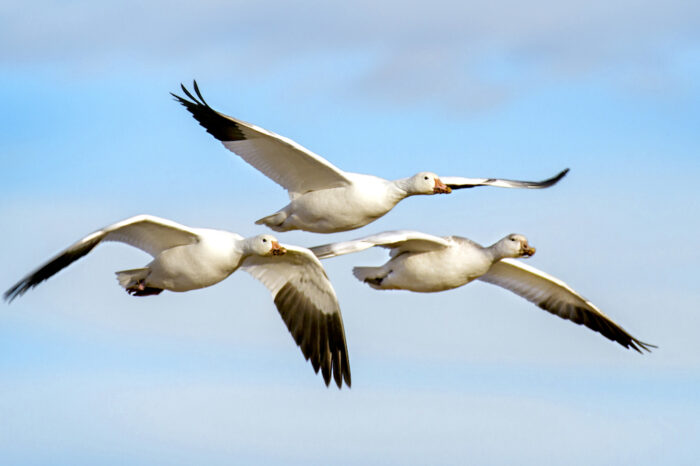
pixel 441 51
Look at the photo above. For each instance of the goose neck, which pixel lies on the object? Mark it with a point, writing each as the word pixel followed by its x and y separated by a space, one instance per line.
pixel 402 187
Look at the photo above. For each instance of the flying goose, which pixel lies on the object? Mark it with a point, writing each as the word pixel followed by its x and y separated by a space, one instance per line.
pixel 324 198
pixel 187 258
pixel 426 263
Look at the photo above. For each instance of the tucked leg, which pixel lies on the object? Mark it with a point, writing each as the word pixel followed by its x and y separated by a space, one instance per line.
pixel 140 289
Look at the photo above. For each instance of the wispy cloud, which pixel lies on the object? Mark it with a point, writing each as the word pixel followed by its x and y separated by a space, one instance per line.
pixel 472 54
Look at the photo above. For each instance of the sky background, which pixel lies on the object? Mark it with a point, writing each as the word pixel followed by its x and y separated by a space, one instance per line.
pixel 89 135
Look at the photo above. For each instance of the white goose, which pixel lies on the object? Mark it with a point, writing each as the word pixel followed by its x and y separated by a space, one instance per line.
pixel 187 258
pixel 324 198
pixel 426 263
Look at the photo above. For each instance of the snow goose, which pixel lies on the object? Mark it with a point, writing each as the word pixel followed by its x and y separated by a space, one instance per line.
pixel 426 263
pixel 187 258
pixel 323 198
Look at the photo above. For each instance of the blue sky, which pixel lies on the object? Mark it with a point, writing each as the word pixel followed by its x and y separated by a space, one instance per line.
pixel 90 135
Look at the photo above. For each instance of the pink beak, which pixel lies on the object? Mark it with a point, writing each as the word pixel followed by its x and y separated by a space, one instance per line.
pixel 277 250
pixel 441 188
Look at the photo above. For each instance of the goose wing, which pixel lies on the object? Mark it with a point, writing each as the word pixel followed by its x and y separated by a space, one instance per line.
pixel 309 307
pixel 398 241
pixel 150 234
pixel 456 182
pixel 290 165
pixel 555 296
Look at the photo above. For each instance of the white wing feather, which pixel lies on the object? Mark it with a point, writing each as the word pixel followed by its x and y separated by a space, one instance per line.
pixel 309 307
pixel 558 298
pixel 456 182
pixel 398 241
pixel 150 234
pixel 289 164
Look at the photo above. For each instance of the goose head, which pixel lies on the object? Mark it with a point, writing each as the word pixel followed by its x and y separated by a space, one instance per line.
pixel 427 183
pixel 515 245
pixel 264 245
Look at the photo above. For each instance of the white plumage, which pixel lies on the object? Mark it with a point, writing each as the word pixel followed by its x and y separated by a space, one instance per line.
pixel 324 198
pixel 425 263
pixel 187 258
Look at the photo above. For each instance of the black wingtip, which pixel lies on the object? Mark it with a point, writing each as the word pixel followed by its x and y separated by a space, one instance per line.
pixel 199 100
pixel 52 267
pixel 179 99
pixel 189 94
pixel 12 293
pixel 640 345
pixel 218 125
pixel 199 94
pixel 555 179
pixel 22 286
pixel 320 337
pixel 347 378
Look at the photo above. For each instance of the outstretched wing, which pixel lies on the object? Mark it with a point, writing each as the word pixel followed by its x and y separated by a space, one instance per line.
pixel 150 234
pixel 309 307
pixel 284 161
pixel 456 182
pixel 398 241
pixel 555 296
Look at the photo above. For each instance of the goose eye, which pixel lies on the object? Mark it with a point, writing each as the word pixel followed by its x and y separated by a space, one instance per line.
pixel 425 178
pixel 264 240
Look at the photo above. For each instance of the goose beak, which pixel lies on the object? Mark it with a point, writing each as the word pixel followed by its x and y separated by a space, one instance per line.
pixel 441 188
pixel 528 251
pixel 277 250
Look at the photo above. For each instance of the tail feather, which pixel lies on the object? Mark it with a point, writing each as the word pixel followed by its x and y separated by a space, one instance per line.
pixel 129 278
pixel 373 276
pixel 274 221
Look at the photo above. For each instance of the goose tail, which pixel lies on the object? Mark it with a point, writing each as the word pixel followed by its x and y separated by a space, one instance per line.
pixel 373 276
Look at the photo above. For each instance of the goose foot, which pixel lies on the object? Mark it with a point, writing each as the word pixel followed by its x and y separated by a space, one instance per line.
pixel 140 289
